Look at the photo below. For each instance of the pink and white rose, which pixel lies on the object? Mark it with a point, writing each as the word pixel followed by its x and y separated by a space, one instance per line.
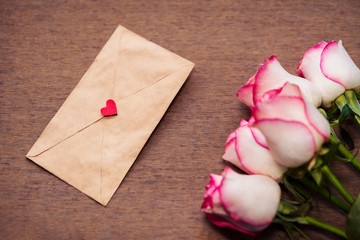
pixel 271 75
pixel 247 149
pixel 330 68
pixel 246 203
pixel 293 127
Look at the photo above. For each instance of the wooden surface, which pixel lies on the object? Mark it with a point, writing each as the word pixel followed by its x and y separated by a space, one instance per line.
pixel 46 47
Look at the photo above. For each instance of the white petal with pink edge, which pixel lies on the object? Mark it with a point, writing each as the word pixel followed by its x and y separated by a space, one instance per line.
pixel 272 75
pixel 337 65
pixel 310 69
pixel 308 90
pixel 317 121
pixel 284 107
pixel 226 221
pixel 293 108
pixel 245 94
pixel 245 153
pixel 251 199
pixel 291 143
pixel 258 137
pixel 231 155
pixel 212 203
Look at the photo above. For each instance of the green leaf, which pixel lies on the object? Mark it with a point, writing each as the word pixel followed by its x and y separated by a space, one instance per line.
pixel 341 159
pixel 345 114
pixel 323 112
pixel 301 220
pixel 286 207
pixel 296 189
pixel 289 227
pixel 304 208
pixel 357 119
pixel 352 228
pixel 352 101
pixel 320 159
pixel 300 231
pixel 298 172
pixel 357 95
pixel 340 101
pixel 333 133
pixel 288 230
pixel 332 111
pixel 290 210
pixel 323 151
pixel 317 176
pixel 347 138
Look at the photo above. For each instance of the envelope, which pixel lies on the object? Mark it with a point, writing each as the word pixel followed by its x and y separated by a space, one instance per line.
pixel 93 152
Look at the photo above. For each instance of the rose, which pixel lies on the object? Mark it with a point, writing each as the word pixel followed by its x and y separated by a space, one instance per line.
pixel 247 149
pixel 293 128
pixel 330 68
pixel 247 203
pixel 271 75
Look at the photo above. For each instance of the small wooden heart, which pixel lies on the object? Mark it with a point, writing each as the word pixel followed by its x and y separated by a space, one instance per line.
pixel 110 108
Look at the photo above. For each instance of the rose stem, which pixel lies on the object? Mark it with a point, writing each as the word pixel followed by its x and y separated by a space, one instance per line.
pixel 325 226
pixel 326 194
pixel 357 120
pixel 354 162
pixel 336 183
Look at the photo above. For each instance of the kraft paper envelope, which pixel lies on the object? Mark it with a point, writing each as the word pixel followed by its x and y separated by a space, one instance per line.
pixel 91 152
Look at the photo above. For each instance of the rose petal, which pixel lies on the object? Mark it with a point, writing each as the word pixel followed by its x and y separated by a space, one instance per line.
pixel 259 137
pixel 317 121
pixel 254 158
pixel 212 203
pixel 230 138
pixel 293 108
pixel 272 75
pixel 231 155
pixel 337 65
pixel 284 107
pixel 245 94
pixel 225 221
pixel 308 90
pixel 310 68
pixel 287 90
pixel 291 143
pixel 251 199
pixel 320 46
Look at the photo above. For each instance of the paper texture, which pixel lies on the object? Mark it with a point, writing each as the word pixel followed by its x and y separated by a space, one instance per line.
pixel 91 152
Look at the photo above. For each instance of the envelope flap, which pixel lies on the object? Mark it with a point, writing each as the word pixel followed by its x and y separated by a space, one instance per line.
pixel 127 64
pixel 141 63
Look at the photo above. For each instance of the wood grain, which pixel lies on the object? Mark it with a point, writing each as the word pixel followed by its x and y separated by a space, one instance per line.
pixel 45 48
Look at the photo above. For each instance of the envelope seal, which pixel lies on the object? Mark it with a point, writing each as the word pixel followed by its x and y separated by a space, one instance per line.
pixel 110 108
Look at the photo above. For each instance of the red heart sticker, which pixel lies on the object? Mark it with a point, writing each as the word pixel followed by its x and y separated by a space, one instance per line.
pixel 110 108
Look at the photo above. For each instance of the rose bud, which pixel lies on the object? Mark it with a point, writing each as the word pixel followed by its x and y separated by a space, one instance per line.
pixel 246 203
pixel 247 149
pixel 330 68
pixel 271 75
pixel 294 129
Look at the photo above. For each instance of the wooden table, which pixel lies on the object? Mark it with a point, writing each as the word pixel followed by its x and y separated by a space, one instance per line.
pixel 46 47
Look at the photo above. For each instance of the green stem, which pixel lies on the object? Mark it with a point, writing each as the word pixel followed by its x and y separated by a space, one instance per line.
pixel 336 183
pixel 334 124
pixel 357 120
pixel 314 222
pixel 326 194
pixel 354 162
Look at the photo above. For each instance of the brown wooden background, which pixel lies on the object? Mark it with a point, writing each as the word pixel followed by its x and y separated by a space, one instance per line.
pixel 45 48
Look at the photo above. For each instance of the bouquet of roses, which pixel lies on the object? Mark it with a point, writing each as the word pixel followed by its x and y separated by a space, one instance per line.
pixel 289 141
